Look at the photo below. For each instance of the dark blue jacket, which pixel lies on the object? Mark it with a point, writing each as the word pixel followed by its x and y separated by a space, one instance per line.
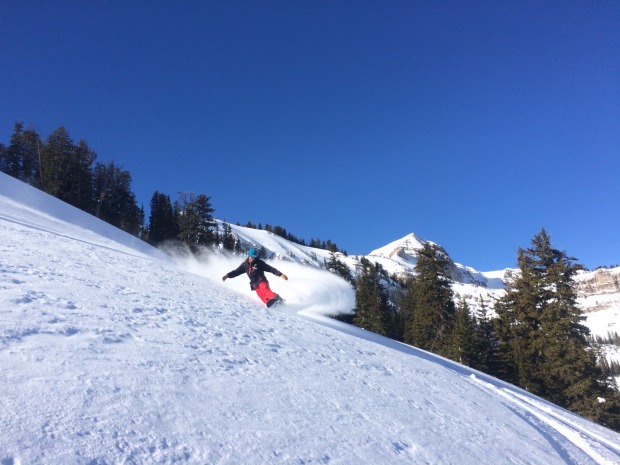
pixel 255 271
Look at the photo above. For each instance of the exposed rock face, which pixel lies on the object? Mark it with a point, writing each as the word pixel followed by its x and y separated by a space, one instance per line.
pixel 602 281
pixel 599 290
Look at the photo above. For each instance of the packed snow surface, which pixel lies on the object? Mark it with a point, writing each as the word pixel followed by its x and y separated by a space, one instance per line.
pixel 112 352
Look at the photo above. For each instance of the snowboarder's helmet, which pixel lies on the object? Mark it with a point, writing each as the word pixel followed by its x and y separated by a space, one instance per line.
pixel 252 253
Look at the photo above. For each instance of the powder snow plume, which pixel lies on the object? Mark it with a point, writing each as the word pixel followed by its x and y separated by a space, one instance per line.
pixel 309 289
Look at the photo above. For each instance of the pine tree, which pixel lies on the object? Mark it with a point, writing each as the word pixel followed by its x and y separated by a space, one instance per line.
pixel 3 155
pixel 429 320
pixel 462 342
pixel 21 158
pixel 77 186
pixel 65 169
pixel 484 340
pixel 195 220
pixel 162 222
pixel 406 305
pixel 56 156
pixel 372 309
pixel 228 238
pixel 542 336
pixel 336 266
pixel 114 200
pixel 14 153
pixel 30 172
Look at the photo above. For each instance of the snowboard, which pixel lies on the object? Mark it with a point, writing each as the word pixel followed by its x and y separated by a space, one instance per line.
pixel 277 300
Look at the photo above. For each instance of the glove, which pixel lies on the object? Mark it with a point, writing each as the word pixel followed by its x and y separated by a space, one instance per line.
pixel 225 277
pixel 284 277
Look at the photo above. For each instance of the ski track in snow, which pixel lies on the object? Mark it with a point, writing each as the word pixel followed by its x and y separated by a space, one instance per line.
pixel 115 355
pixel 561 432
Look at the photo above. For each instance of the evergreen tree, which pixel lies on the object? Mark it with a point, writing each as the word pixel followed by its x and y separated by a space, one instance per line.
pixel 30 172
pixel 462 342
pixel 338 267
pixel 162 221
pixel 77 188
pixel 143 230
pixel 406 305
pixel 430 318
pixel 56 156
pixel 3 155
pixel 195 220
pixel 130 217
pixel 541 333
pixel 21 159
pixel 228 238
pixel 484 340
pixel 114 200
pixel 65 169
pixel 279 231
pixel 372 309
pixel 14 153
pixel 329 245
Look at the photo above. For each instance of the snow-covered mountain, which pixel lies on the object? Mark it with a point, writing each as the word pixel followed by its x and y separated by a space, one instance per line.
pixel 400 257
pixel 113 352
pixel 599 291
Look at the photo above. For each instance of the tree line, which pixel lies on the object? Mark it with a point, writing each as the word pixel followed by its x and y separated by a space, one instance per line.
pixel 536 338
pixel 69 171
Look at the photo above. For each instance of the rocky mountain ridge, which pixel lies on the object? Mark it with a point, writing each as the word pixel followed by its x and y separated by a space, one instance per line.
pixel 601 281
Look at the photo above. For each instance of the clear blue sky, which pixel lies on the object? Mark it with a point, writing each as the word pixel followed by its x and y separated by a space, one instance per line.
pixel 473 124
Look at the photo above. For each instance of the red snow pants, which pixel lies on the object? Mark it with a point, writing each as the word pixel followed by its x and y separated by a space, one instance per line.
pixel 264 292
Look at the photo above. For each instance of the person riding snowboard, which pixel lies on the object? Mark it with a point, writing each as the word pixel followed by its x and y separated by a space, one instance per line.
pixel 255 269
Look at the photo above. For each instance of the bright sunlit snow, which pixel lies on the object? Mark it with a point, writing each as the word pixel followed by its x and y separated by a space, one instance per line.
pixel 111 352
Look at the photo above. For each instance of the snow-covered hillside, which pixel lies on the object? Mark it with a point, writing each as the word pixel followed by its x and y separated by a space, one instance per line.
pixel 112 352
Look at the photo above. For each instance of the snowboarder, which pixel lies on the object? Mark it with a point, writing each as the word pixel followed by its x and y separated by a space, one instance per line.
pixel 255 268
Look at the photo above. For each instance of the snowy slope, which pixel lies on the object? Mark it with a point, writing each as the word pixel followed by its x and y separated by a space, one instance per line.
pixel 111 352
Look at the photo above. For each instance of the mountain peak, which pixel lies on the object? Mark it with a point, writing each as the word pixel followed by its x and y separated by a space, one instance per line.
pixel 404 247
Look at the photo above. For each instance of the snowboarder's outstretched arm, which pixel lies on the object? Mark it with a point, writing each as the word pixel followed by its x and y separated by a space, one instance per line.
pixel 271 269
pixel 234 273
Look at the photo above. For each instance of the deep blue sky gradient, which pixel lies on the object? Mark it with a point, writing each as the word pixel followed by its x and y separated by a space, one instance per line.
pixel 472 124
